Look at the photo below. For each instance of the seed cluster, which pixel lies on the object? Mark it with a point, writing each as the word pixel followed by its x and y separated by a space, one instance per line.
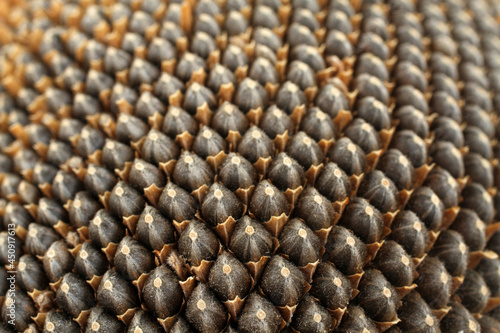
pixel 250 165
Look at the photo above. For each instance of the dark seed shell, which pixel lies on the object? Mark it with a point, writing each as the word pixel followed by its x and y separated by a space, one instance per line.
pixel 162 293
pixel 229 118
pixel 98 179
pixel 64 186
pixel 144 321
pixel 299 243
pixel 355 320
pixel 105 229
pixel 333 183
pixel 196 96
pixel 115 154
pixel 50 212
pixel 405 73
pixel 259 315
pixel 442 82
pixel 234 56
pixel 198 243
pixel 24 160
pixel 410 233
pixel 122 92
pixel 219 75
pixel 489 269
pixel 275 122
pixel 177 204
pixel 204 311
pixel 12 248
pixel 148 105
pixel 268 201
pixel 396 265
pixel 373 43
pixel 308 55
pixel 468 224
pixel 90 262
pixel 345 251
pixel 154 230
pixel 477 141
pixel 256 144
pixel 142 71
pixel 318 125
pixel 459 319
pixel 408 95
pixel 219 204
pixel 208 143
pixel 377 297
pixel 236 24
pixel 300 73
pixel 143 174
pixel 130 128
pixel 330 286
pixel 181 326
pixel 444 185
pixel 250 95
pixel 102 321
pixel 364 135
pixel 191 172
pixel 473 292
pixel 82 209
pixel 263 71
pixel 116 294
pixel 368 63
pixel 229 278
pixel 452 251
pixel 39 239
pixel 374 112
pixel 428 207
pixel 125 200
pixel 282 282
pixel 338 20
pixel 237 172
pixel 132 259
pixel 305 150
pixel 445 105
pixel 59 321
pixel 311 317
pixel 188 64
pixel 30 274
pixel 90 140
pixel 43 173
pixel 368 85
pixel 286 173
pixel 397 168
pixel 331 100
pixel 25 310
pixel 379 190
pixel 363 219
pixel 416 315
pixel 348 156
pixel 74 295
pixel 59 152
pixel 16 214
pixel 475 116
pixel 250 241
pixel 411 145
pixel 475 197
pixel 166 86
pixel 447 129
pixel 488 324
pixel 57 261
